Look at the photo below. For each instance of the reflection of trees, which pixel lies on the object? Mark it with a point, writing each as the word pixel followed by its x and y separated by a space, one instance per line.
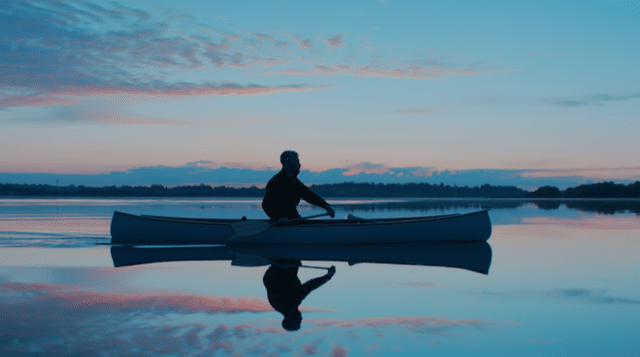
pixel 606 206
pixel 433 205
pixel 598 206
pixel 547 205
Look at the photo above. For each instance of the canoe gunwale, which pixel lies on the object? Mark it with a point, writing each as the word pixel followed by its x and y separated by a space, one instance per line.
pixel 305 223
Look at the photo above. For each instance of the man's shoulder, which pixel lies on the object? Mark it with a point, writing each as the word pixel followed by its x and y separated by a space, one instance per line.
pixel 278 179
pixel 279 176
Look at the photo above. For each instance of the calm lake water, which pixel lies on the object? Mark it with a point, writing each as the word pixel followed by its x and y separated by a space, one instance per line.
pixel 564 280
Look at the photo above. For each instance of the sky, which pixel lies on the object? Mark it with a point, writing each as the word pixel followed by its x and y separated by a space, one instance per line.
pixel 500 92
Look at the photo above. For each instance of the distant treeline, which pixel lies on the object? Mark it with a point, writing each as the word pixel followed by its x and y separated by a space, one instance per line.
pixel 347 189
pixel 597 190
pixel 329 190
pixel 350 189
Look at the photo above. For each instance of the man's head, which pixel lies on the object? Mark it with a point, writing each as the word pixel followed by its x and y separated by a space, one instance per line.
pixel 292 320
pixel 290 162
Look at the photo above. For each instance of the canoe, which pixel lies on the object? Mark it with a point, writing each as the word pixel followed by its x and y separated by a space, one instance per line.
pixel 134 229
pixel 472 256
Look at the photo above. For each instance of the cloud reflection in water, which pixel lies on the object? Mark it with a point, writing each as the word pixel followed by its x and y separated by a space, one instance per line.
pixel 66 319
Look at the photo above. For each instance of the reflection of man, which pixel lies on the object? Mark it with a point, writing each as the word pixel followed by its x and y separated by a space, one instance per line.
pixel 285 292
pixel 284 191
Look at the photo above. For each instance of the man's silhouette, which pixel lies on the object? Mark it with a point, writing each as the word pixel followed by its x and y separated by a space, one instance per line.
pixel 284 191
pixel 285 291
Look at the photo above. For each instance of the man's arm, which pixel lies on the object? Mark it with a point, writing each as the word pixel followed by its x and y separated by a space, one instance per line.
pixel 311 197
pixel 313 284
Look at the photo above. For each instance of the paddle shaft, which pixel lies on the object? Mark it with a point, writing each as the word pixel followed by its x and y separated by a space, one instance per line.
pixel 303 218
pixel 312 267
pixel 251 227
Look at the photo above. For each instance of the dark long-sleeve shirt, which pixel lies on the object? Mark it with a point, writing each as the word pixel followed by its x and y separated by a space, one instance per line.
pixel 283 193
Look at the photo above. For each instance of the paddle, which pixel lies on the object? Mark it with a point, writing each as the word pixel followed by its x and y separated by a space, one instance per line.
pixel 250 260
pixel 250 227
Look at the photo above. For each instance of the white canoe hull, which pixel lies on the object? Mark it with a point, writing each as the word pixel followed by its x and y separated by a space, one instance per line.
pixel 132 229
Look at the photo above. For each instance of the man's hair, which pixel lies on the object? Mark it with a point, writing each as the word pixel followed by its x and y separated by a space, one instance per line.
pixel 287 155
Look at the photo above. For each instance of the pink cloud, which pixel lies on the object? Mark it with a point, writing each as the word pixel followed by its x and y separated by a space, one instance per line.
pixel 65 296
pixel 271 62
pixel 35 100
pixel 280 45
pixel 394 71
pixel 306 44
pixel 324 70
pixel 338 351
pixel 435 325
pixel 367 168
pixel 66 319
pixel 104 61
pixel 119 119
pixel 67 95
pixel 310 350
pixel 60 60
pixel 335 42
pixel 288 72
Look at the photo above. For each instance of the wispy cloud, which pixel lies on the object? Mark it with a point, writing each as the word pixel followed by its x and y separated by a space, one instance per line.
pixel 394 71
pixel 338 351
pixel 595 296
pixel 113 119
pixel 434 325
pixel 597 99
pixel 56 52
pixel 236 141
pixel 83 115
pixel 335 42
pixel 57 94
pixel 67 297
pixel 367 168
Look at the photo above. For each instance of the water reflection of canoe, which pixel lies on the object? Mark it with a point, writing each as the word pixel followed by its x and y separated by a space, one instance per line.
pixel 130 229
pixel 474 256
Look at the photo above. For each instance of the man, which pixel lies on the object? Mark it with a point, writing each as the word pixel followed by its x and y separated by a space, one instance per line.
pixel 285 291
pixel 284 191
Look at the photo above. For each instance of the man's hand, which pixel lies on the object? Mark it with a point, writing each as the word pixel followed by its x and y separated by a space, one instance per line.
pixel 332 271
pixel 284 221
pixel 331 212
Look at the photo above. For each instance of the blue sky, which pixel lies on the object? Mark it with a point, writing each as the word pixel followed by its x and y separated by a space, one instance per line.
pixel 545 89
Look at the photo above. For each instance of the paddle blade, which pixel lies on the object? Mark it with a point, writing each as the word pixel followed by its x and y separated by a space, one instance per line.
pixel 249 227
